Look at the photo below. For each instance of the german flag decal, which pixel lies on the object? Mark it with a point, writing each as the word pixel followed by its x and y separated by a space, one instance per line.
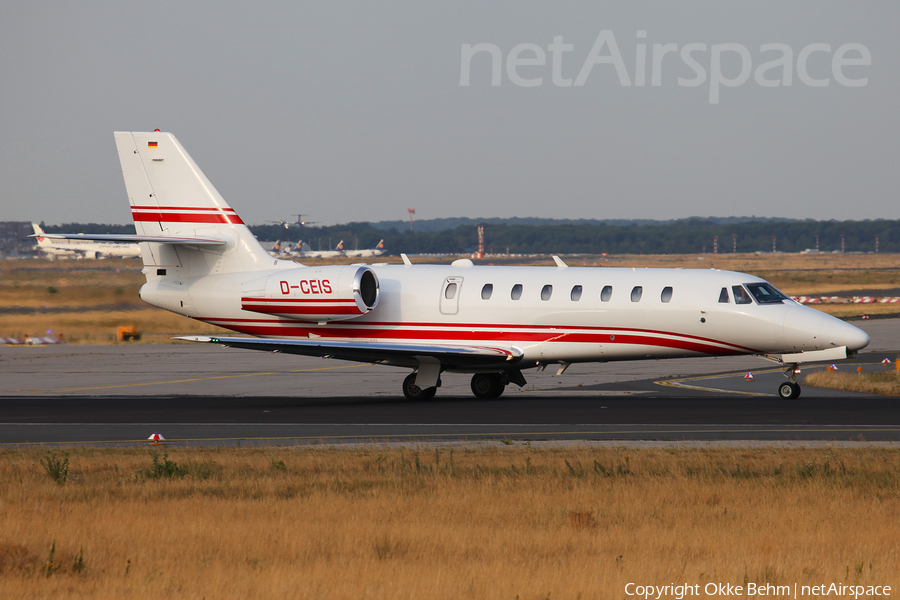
pixel 152 144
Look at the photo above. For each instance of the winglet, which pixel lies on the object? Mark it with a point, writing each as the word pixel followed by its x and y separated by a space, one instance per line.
pixel 559 262
pixel 406 260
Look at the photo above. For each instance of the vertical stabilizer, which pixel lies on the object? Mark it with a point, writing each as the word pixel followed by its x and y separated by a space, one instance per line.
pixel 170 196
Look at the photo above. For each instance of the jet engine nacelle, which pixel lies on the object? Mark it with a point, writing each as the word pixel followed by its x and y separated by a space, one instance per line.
pixel 319 294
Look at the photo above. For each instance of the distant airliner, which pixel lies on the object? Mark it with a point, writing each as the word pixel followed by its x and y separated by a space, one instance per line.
pixel 201 261
pixel 81 246
pixel 378 250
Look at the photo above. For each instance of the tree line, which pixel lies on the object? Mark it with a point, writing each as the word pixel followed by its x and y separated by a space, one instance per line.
pixel 683 236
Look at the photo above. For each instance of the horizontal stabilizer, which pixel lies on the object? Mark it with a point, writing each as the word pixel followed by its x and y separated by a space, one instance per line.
pixel 111 237
pixel 373 352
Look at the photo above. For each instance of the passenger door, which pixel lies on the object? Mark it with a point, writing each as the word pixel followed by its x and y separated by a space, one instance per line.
pixel 450 295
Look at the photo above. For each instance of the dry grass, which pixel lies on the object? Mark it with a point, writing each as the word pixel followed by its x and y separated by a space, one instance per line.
pixel 86 301
pixel 795 274
pixel 880 382
pixel 101 327
pixel 845 311
pixel 490 523
pixel 758 263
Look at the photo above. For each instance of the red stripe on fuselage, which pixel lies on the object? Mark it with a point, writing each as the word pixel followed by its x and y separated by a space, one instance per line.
pixel 303 310
pixel 269 328
pixel 360 329
pixel 289 300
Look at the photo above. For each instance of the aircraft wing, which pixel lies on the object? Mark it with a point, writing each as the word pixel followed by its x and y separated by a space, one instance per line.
pixel 404 355
pixel 111 237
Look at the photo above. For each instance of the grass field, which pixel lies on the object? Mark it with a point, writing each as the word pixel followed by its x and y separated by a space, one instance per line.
pixel 881 382
pixel 87 300
pixel 487 523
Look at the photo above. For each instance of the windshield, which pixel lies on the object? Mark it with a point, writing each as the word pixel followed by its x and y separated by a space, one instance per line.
pixel 765 293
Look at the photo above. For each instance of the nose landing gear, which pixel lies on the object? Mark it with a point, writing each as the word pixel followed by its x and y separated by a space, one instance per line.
pixel 790 390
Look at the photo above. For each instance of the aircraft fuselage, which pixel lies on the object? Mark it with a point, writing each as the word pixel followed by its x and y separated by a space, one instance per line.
pixel 554 315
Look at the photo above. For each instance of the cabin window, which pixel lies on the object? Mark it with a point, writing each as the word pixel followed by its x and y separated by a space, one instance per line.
pixel 723 296
pixel 546 292
pixel 486 291
pixel 516 292
pixel 636 293
pixel 606 293
pixel 765 293
pixel 450 292
pixel 740 295
pixel 666 295
pixel 575 296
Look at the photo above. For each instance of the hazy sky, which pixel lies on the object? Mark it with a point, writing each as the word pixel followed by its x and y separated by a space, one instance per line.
pixel 355 110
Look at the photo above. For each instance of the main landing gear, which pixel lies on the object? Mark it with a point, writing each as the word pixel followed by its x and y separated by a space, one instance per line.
pixel 414 392
pixel 790 390
pixel 484 385
pixel 488 385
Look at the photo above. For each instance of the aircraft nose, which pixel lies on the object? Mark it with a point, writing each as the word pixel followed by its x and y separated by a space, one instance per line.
pixel 854 337
pixel 808 329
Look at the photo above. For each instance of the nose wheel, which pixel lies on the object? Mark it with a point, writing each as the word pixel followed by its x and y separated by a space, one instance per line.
pixel 789 390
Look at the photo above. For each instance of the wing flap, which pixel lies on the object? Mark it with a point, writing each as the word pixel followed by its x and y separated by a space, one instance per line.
pixel 410 355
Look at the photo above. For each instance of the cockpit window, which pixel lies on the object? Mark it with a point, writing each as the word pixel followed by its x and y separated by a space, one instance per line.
pixel 765 293
pixel 723 296
pixel 740 295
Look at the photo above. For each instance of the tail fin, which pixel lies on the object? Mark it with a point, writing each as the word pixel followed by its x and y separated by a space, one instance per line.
pixel 170 196
pixel 39 234
pixel 380 245
pixel 340 246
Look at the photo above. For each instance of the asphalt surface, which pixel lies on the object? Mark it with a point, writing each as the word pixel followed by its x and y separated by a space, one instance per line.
pixel 206 395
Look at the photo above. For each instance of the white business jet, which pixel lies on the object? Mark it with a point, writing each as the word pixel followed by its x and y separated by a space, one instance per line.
pixel 201 261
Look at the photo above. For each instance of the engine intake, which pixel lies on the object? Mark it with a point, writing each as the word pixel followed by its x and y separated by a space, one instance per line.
pixel 319 294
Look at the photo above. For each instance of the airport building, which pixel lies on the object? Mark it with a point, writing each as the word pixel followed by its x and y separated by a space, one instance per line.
pixel 14 238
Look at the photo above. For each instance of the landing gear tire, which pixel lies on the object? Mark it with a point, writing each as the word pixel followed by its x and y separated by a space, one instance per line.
pixel 488 385
pixel 414 392
pixel 789 390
